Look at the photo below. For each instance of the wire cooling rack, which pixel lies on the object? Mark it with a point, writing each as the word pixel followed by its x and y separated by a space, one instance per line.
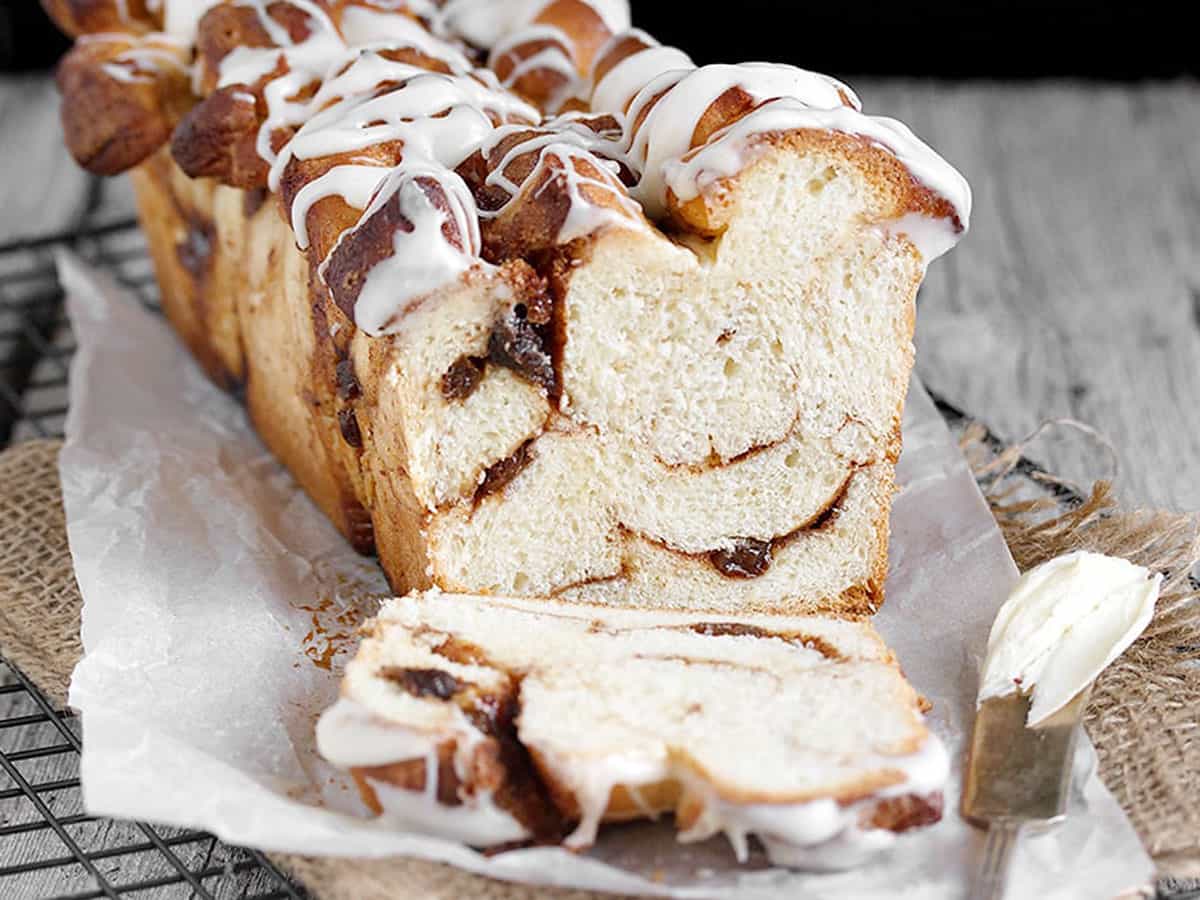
pixel 49 847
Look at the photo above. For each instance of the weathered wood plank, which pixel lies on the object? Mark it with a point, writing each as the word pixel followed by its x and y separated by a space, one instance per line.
pixel 1077 293
pixel 41 188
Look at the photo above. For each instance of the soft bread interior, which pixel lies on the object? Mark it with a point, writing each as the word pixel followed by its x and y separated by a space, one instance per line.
pixel 716 394
pixel 797 317
pixel 625 713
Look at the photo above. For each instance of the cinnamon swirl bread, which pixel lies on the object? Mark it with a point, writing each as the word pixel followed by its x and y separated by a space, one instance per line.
pixel 493 720
pixel 529 303
pixel 533 306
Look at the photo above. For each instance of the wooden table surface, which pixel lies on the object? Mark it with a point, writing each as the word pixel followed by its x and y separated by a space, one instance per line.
pixel 1076 294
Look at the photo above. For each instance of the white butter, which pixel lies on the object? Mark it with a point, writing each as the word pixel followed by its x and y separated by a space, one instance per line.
pixel 1064 621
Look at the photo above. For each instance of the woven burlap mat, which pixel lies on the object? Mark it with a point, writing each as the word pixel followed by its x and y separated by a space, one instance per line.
pixel 1144 715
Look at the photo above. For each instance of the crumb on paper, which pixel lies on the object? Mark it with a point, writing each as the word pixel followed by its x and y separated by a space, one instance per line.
pixel 334 631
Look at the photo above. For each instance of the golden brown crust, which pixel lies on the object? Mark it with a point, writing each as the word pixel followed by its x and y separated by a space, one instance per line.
pixel 219 139
pixel 122 96
pixel 534 219
pixel 540 85
pixel 902 813
pixel 898 192
pixel 250 319
pixel 583 26
pixel 225 27
pixel 617 51
pixel 410 775
pixel 77 17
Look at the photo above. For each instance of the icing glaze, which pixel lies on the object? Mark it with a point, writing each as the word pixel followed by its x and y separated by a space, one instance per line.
pixel 485 23
pixel 143 61
pixel 726 154
pixel 820 831
pixel 355 184
pixel 422 259
pixel 478 821
pixel 372 28
pixel 555 57
pixel 572 142
pixel 181 16
pixel 621 83
pixel 349 736
pixel 671 102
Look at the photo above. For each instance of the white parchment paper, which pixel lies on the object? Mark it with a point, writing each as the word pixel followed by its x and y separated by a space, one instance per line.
pixel 219 603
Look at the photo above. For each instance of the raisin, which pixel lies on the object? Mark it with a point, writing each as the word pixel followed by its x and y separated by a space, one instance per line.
pixel 423 682
pixel 461 379
pixel 747 558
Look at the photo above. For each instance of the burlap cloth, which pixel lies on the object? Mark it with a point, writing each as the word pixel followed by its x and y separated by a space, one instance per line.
pixel 1144 715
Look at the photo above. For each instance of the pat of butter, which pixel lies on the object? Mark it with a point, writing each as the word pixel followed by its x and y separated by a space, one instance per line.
pixel 1064 621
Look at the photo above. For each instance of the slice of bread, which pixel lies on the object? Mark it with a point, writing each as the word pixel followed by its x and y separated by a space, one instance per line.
pixel 494 720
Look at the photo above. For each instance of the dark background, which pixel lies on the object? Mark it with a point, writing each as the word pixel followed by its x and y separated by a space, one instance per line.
pixel 985 39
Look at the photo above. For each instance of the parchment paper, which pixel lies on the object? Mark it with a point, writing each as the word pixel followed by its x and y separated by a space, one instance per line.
pixel 219 606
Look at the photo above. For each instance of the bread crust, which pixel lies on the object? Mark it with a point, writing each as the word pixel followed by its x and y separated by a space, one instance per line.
pixel 79 17
pixel 122 97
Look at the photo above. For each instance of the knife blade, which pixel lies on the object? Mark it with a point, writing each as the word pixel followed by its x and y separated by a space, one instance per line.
pixel 1016 776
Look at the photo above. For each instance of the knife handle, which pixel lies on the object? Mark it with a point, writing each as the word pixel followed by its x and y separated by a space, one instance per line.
pixel 998 848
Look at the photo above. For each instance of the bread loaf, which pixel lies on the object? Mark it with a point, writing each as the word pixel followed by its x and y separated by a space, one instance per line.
pixel 534 307
pixel 651 350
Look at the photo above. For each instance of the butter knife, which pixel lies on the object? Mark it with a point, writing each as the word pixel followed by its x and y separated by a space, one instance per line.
pixel 1016 776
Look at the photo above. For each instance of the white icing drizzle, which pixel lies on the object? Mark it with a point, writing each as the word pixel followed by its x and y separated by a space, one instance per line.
pixel 144 61
pixel 573 143
pixel 556 57
pixel 789 98
pixel 353 183
pixel 665 134
pixel 438 120
pixel 306 62
pixel 367 28
pixel 422 259
pixel 478 821
pixel 620 84
pixel 180 17
pixel 349 736
pixel 592 782
pixel 819 832
pixel 357 122
pixel 485 23
pixel 725 155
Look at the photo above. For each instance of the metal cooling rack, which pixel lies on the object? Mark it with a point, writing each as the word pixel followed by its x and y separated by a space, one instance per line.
pixel 49 847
